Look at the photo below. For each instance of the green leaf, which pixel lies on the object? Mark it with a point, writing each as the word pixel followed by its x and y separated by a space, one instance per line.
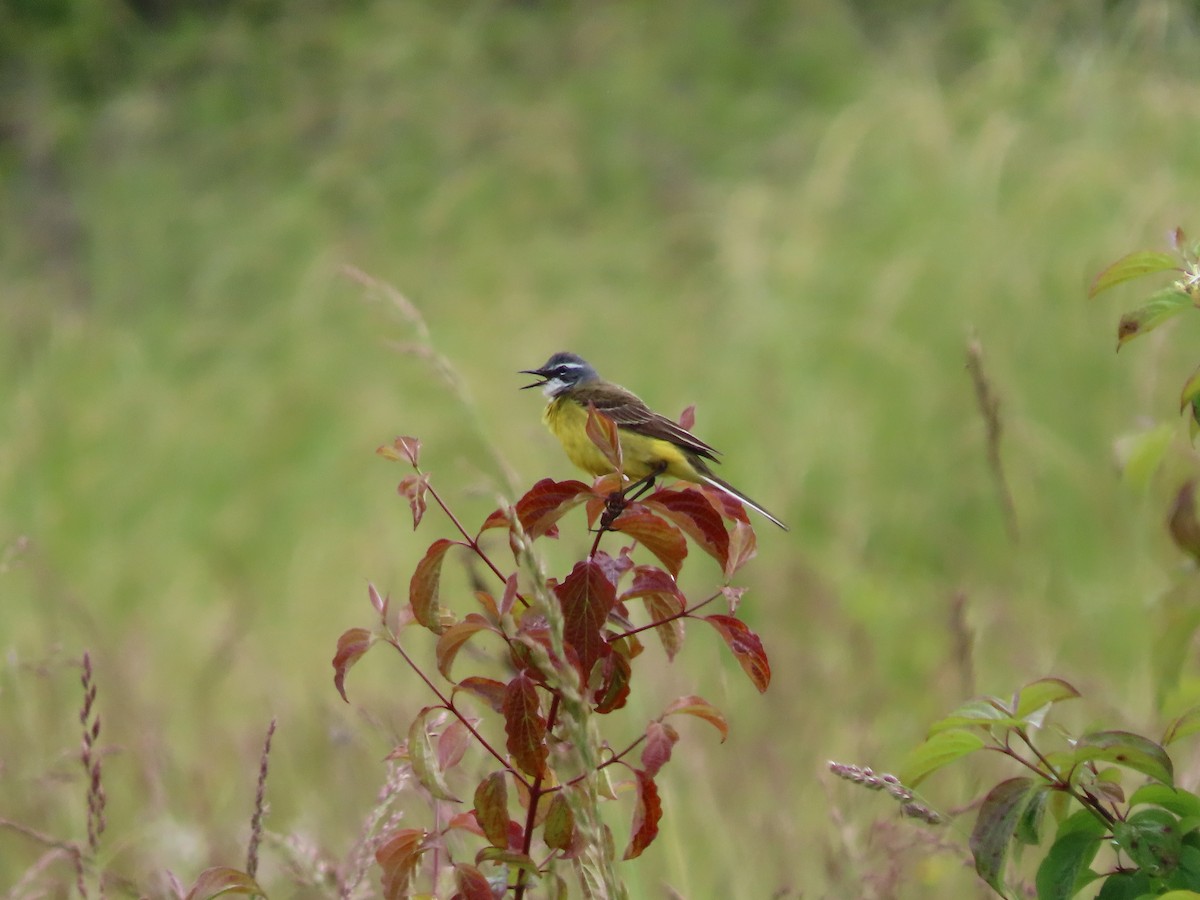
pixel 1125 886
pixel 1152 839
pixel 1041 693
pixel 1064 871
pixel 1191 391
pixel 939 750
pixel 1188 875
pixel 422 755
pixel 491 808
pixel 1182 522
pixel 1140 455
pixel 558 830
pixel 1135 265
pixel 1126 749
pixel 1184 726
pixel 508 858
pixel 1159 308
pixel 985 713
pixel 1175 618
pixel 1029 826
pixel 995 826
pixel 424 585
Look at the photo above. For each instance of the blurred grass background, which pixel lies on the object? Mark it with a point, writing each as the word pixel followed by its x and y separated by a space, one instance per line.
pixel 792 215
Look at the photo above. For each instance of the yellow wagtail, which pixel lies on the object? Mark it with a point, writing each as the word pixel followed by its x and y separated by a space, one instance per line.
pixel 651 445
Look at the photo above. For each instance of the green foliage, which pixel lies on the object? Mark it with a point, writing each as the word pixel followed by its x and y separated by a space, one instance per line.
pixel 1163 304
pixel 1155 830
pixel 1078 779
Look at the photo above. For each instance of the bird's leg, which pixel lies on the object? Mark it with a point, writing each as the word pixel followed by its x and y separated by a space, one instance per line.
pixel 642 485
pixel 618 500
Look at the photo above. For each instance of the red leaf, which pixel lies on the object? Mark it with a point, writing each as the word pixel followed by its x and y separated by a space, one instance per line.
pixel 472 885
pixel 465 821
pixel 733 596
pixel 692 511
pixel 488 602
pixel 614 568
pixel 726 504
pixel 646 814
pixel 223 880
pixel 547 502
pixel 423 588
pixel 743 546
pixel 525 727
pixel 413 487
pixel 533 633
pixel 656 534
pixel 452 744
pixel 586 597
pixel 746 647
pixel 398 856
pixel 350 648
pixel 510 595
pixel 664 603
pixel 488 690
pixel 602 431
pixel 379 603
pixel 542 506
pixel 660 739
pixel 407 449
pixel 558 831
pixel 614 685
pixel 701 709
pixel 497 518
pixel 455 637
pixel 687 418
pixel 491 809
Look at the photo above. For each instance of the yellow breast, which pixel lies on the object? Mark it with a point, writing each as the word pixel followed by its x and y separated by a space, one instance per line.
pixel 642 455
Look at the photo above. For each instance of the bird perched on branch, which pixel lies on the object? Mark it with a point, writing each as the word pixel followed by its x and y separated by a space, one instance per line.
pixel 651 445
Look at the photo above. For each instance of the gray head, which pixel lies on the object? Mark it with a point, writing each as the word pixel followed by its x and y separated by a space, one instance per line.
pixel 561 372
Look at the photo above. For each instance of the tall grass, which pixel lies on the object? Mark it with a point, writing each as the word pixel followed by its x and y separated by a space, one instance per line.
pixel 794 219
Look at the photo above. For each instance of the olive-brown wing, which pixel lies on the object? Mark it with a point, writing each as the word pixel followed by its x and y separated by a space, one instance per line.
pixel 627 410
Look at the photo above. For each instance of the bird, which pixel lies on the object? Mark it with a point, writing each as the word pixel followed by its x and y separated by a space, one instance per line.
pixel 651 444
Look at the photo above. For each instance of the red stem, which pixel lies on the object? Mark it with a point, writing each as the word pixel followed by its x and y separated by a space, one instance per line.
pixel 448 704
pixel 535 794
pixel 472 542
pixel 671 618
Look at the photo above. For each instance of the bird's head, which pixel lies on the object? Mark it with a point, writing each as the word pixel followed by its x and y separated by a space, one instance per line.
pixel 561 372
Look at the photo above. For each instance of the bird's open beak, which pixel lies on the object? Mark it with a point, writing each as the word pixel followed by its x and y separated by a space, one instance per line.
pixel 539 373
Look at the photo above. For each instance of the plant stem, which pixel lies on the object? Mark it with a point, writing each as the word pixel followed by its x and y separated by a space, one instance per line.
pixel 448 704
pixel 472 541
pixel 682 614
pixel 535 794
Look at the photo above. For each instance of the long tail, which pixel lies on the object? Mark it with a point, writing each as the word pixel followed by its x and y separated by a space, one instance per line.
pixel 710 479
